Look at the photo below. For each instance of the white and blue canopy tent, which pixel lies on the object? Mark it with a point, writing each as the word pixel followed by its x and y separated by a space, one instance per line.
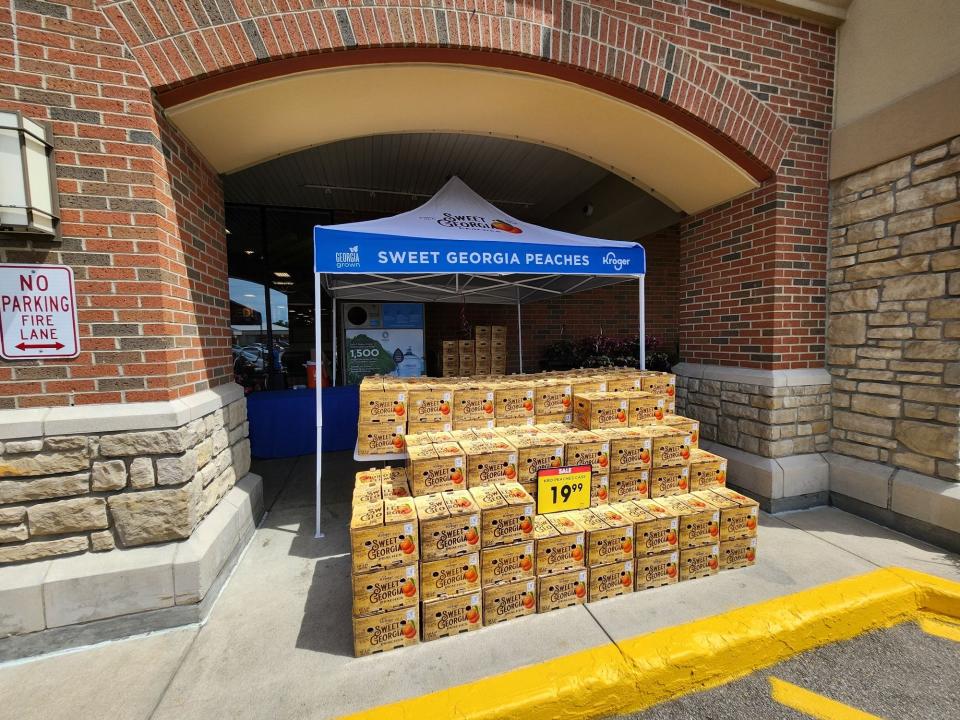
pixel 459 248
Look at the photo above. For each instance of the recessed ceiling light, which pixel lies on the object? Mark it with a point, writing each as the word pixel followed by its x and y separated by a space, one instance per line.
pixel 281 274
pixel 248 252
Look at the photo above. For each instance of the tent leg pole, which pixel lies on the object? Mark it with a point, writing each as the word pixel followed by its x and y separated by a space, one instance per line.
pixel 519 331
pixel 318 339
pixel 333 357
pixel 643 327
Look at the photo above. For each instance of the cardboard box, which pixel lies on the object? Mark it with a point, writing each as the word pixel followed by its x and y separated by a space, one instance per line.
pixel 386 631
pixel 688 425
pixel 553 397
pixel 658 570
pixel 473 424
pixel 630 449
pixel 508 563
pixel 665 481
pixel 739 514
pixel 415 427
pixel 738 553
pixel 552 418
pixel 515 422
pixel 587 384
pixel 668 446
pixel 385 406
pixel 385 590
pixel 367 494
pixel 597 410
pixel 707 470
pixel 699 520
pixel 561 590
pixel 614 544
pixel 623 382
pixel 466 347
pixel 646 409
pixel 608 581
pixel 481 363
pixel 606 540
pixel 435 468
pixel 659 532
pixel 428 404
pixel 449 524
pixel 599 489
pixel 513 400
pixel 583 447
pixel 450 576
pixel 421 437
pixel 449 347
pixel 699 561
pixel 472 403
pixel 384 534
pixel 509 601
pixel 535 453
pixel 481 332
pixel 629 485
pixel 498 332
pixel 489 461
pixel 451 616
pixel 559 547
pixel 658 383
pixel 380 438
pixel 506 514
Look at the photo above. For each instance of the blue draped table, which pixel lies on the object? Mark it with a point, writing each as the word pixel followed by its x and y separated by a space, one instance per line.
pixel 283 423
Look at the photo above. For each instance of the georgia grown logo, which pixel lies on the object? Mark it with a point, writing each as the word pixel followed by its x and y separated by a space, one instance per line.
pixel 477 221
pixel 348 259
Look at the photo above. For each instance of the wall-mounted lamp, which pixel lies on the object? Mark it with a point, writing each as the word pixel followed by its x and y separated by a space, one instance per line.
pixel 28 193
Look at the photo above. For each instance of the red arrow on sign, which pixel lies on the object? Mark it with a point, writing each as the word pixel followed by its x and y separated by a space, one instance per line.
pixel 51 346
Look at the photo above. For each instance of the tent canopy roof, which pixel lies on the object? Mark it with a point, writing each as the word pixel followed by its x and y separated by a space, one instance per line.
pixel 457 247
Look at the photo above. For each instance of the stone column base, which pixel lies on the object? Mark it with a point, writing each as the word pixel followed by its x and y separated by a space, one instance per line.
pixel 84 599
pixel 917 505
pixel 779 484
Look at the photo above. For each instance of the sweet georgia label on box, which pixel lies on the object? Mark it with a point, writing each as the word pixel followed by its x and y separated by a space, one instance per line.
pixel 563 488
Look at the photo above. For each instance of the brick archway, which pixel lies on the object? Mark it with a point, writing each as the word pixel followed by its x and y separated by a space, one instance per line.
pixel 215 47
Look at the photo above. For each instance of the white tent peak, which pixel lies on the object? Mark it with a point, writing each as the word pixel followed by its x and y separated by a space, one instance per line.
pixel 456 212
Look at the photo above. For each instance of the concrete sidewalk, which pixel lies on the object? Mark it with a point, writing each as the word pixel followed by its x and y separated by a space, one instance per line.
pixel 278 643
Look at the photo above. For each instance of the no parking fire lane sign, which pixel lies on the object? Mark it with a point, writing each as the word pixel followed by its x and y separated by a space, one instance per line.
pixel 38 312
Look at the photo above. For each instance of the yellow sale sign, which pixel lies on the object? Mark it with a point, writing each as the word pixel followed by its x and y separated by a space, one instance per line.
pixel 563 488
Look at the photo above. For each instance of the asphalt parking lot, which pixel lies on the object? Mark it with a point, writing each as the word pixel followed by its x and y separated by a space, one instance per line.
pixel 902 673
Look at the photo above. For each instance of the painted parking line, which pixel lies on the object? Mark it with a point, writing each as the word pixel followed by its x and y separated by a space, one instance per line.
pixel 812 704
pixel 940 628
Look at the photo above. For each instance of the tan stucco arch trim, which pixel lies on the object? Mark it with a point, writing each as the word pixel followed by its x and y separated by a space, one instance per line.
pixel 245 125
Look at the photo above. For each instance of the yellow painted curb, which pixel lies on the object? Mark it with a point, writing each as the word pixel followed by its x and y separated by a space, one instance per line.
pixel 642 671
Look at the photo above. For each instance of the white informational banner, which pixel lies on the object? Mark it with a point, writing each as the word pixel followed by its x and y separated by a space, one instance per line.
pixel 38 312
pixel 382 351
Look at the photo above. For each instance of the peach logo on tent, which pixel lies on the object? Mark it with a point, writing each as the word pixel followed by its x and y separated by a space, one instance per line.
pixel 505 227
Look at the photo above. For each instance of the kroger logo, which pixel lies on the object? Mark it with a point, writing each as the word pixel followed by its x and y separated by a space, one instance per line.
pixel 349 259
pixel 618 263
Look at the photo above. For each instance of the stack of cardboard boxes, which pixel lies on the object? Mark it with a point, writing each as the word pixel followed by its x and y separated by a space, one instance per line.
pixel 486 354
pixel 468 550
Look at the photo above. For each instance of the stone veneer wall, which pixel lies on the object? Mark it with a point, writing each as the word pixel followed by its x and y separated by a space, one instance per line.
pixel 894 301
pixel 75 493
pixel 768 421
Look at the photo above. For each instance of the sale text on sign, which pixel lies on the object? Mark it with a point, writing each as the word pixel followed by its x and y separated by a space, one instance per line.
pixel 38 312
pixel 563 488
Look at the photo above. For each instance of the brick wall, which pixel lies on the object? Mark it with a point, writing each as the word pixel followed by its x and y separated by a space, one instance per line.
pixel 142 223
pixel 141 219
pixel 754 268
pixel 894 332
pixel 611 310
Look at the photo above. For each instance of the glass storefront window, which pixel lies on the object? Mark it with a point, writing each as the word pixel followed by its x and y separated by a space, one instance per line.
pixel 270 255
